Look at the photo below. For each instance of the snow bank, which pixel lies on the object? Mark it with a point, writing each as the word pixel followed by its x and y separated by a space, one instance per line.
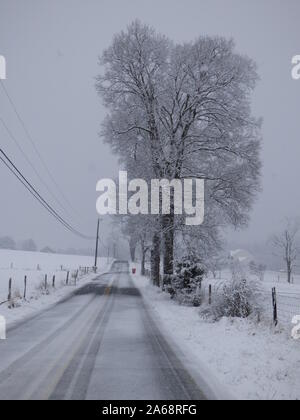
pixel 251 361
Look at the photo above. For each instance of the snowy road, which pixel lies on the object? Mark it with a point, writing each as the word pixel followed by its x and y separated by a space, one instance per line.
pixel 99 344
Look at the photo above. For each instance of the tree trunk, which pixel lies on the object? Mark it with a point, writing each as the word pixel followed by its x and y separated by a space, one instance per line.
pixel 143 268
pixel 168 235
pixel 143 250
pixel 155 260
pixel 289 273
pixel 132 247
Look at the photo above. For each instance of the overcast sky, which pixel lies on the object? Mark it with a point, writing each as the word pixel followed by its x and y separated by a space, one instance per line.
pixel 51 48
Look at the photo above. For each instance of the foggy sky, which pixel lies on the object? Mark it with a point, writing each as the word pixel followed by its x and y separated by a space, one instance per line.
pixel 52 50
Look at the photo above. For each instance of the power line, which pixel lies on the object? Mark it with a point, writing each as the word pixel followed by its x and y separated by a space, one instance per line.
pixel 34 145
pixel 31 165
pixel 10 165
pixel 18 174
pixel 24 184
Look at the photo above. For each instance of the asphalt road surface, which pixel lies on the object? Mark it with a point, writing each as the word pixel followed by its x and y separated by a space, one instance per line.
pixel 101 343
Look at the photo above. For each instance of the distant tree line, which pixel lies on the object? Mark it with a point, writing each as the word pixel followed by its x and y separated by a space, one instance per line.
pixel 6 242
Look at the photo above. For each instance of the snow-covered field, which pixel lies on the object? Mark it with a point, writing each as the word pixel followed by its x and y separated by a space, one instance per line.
pixel 246 359
pixel 35 265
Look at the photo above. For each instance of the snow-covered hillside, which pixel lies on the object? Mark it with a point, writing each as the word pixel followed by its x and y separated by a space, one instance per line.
pixel 35 265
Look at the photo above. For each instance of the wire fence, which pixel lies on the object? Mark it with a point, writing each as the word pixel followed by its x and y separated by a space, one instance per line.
pixel 44 285
pixel 279 306
pixel 288 306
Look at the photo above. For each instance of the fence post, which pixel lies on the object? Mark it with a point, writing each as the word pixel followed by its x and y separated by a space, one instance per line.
pixel 67 279
pixel 9 290
pixel 53 282
pixel 46 278
pixel 275 313
pixel 210 293
pixel 25 286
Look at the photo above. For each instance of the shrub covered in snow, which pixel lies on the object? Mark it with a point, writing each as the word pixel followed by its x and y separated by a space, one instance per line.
pixel 185 284
pixel 239 298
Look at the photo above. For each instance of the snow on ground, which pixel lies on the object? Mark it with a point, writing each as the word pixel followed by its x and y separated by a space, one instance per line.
pixel 250 361
pixel 35 265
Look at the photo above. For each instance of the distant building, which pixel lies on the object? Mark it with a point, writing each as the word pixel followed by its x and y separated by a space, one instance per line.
pixel 242 256
pixel 48 250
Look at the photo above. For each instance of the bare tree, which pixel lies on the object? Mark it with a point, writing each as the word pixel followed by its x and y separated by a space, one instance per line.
pixel 145 245
pixel 286 244
pixel 7 243
pixel 29 245
pixel 130 231
pixel 257 270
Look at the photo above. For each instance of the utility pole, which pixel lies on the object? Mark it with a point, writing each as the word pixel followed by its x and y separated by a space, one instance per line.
pixel 97 242
pixel 108 254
